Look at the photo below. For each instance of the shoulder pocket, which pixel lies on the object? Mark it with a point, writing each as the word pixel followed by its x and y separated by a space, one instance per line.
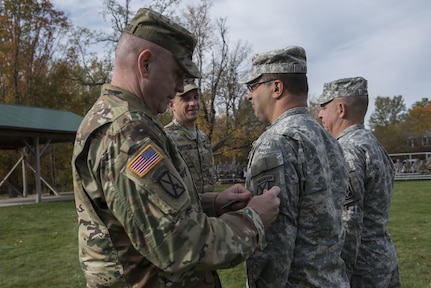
pixel 266 162
pixel 266 171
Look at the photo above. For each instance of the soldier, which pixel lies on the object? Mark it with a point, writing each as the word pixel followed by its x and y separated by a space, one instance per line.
pixel 193 144
pixel 398 166
pixel 297 154
pixel 422 169
pixel 141 221
pixel 368 251
pixel 407 167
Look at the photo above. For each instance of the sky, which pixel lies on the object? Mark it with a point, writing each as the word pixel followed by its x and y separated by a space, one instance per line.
pixel 388 42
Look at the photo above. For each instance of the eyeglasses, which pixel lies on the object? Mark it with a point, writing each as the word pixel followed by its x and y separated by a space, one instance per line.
pixel 253 86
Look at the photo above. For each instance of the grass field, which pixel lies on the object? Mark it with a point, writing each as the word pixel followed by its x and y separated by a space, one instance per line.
pixel 38 242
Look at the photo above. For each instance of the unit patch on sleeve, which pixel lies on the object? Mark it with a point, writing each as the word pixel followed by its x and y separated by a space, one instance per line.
pixel 264 182
pixel 169 182
pixel 145 161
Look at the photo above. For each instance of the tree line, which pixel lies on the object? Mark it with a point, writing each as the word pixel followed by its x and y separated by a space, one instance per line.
pixel 48 62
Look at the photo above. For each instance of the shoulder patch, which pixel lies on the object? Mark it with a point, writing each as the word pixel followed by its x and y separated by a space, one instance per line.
pixel 146 160
pixel 169 182
pixel 264 182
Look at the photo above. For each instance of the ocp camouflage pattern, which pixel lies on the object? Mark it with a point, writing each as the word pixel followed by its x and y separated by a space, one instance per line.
pixel 147 231
pixel 196 151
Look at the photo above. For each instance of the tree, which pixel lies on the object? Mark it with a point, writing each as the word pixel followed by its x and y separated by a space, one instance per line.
pixel 401 131
pixel 119 15
pixel 423 103
pixel 91 68
pixel 40 67
pixel 417 124
pixel 197 20
pixel 29 31
pixel 216 56
pixel 238 143
pixel 388 111
pixel 386 120
pixel 223 100
pixel 418 118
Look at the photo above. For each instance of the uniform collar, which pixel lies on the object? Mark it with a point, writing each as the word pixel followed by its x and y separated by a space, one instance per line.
pixel 188 132
pixel 351 129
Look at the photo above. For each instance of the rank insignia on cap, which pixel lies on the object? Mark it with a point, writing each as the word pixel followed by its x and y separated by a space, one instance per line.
pixel 145 161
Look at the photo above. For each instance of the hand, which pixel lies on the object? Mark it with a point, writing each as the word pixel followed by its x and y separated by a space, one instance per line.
pixel 233 198
pixel 266 205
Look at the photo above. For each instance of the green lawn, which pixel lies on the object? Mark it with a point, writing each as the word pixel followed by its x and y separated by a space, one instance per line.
pixel 38 242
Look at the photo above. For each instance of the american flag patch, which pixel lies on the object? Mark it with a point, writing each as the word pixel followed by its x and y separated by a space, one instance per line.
pixel 145 161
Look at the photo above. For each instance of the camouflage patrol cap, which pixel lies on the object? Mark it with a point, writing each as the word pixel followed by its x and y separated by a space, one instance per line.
pixel 188 88
pixel 346 87
pixel 291 59
pixel 154 27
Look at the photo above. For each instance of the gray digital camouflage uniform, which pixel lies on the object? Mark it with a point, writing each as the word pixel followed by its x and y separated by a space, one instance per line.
pixel 196 150
pixel 305 241
pixel 140 218
pixel 368 250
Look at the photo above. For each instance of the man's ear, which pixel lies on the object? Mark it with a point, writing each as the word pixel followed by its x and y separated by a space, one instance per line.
pixel 278 89
pixel 171 105
pixel 144 60
pixel 341 109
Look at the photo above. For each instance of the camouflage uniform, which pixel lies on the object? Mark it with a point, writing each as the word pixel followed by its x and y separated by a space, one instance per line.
pixel 196 150
pixel 305 241
pixel 368 250
pixel 297 154
pixel 140 218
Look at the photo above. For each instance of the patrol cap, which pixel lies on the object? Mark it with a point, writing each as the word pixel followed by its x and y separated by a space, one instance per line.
pixel 158 29
pixel 345 87
pixel 291 59
pixel 188 88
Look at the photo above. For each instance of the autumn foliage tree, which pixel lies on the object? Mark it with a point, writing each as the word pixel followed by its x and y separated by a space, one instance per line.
pixel 417 123
pixel 29 32
pixel 226 116
pixel 47 62
pixel 218 58
pixel 39 67
pixel 419 116
pixel 385 122
pixel 401 131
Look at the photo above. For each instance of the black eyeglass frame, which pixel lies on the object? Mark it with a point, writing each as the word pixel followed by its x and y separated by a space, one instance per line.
pixel 251 87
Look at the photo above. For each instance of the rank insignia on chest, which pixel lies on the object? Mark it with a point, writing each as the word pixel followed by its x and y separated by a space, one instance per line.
pixel 145 161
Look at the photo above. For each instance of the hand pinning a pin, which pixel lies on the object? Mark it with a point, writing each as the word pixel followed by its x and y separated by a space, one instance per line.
pixel 229 204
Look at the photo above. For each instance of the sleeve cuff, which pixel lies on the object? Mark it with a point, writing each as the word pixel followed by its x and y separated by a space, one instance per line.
pixel 208 203
pixel 254 218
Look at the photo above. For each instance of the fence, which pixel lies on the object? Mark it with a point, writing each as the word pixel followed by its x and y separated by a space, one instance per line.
pixel 412 166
